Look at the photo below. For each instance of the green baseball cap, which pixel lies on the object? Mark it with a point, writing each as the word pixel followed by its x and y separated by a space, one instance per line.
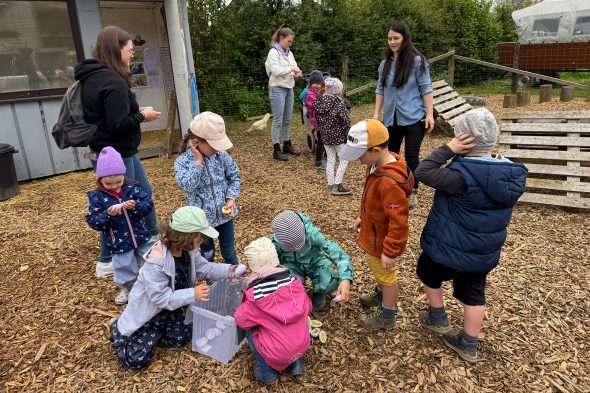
pixel 191 219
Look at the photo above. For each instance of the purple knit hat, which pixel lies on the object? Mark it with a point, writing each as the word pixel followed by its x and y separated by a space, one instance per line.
pixel 110 163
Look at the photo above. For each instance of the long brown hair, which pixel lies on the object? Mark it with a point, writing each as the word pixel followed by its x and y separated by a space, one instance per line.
pixel 404 65
pixel 281 32
pixel 107 50
pixel 178 242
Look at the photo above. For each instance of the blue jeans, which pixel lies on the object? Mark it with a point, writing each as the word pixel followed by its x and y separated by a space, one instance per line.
pixel 262 370
pixel 226 244
pixel 281 103
pixel 135 172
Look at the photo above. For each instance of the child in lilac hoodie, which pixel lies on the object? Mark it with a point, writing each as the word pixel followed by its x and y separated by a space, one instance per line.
pixel 274 313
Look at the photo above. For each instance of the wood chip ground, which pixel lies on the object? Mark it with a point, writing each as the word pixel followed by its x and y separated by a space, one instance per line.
pixel 54 311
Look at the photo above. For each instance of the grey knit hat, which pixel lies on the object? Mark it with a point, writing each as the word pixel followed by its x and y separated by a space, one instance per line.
pixel 333 86
pixel 289 230
pixel 481 125
pixel 316 77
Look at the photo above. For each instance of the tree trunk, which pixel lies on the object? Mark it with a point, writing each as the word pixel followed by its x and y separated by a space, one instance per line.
pixel 523 98
pixel 510 101
pixel 545 93
pixel 567 93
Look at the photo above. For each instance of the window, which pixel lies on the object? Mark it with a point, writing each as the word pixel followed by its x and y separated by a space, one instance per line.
pixel 37 48
pixel 545 27
pixel 582 25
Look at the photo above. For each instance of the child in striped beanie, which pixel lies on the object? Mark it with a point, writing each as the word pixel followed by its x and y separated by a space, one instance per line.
pixel 305 251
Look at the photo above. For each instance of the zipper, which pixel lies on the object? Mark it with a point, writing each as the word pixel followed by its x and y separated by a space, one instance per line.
pixel 126 217
pixel 374 237
pixel 212 192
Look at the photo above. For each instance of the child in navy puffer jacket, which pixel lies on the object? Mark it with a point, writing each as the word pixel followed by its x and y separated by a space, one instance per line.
pixel 211 180
pixel 118 208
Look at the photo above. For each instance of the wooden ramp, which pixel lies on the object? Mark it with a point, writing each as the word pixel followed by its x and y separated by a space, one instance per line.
pixel 448 104
pixel 555 147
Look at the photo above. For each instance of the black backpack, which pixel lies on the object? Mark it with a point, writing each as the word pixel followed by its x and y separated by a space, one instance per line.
pixel 71 130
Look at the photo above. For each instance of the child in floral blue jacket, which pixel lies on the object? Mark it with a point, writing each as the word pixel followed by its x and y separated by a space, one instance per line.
pixel 117 208
pixel 211 180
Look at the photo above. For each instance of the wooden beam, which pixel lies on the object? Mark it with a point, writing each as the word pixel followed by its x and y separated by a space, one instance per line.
pixel 451 70
pixel 555 200
pixel 548 155
pixel 459 110
pixel 172 110
pixel 544 169
pixel 360 89
pixel 441 57
pixel 557 185
pixel 544 140
pixel 545 128
pixel 439 84
pixel 445 97
pixel 547 115
pixel 521 72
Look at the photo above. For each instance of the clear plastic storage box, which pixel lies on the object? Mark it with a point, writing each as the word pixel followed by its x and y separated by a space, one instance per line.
pixel 215 333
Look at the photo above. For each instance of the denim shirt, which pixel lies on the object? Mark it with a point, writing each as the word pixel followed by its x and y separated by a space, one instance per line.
pixel 405 102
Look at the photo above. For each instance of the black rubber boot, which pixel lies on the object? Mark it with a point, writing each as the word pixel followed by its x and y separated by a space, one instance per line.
pixel 277 154
pixel 288 148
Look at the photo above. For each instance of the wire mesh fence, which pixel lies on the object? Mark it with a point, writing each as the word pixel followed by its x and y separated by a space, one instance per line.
pixel 233 83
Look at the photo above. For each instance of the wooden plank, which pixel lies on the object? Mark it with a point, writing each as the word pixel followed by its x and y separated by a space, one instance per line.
pixel 445 97
pixel 461 109
pixel 441 57
pixel 545 127
pixel 442 90
pixel 172 109
pixel 555 200
pixel 450 104
pixel 548 155
pixel 547 115
pixel 544 140
pixel 439 84
pixel 563 170
pixel 559 185
pixel 360 89
pixel 521 72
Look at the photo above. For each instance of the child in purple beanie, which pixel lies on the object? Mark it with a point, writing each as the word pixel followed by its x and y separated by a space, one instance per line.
pixel 117 209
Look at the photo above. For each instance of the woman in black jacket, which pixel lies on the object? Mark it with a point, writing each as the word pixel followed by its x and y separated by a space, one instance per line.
pixel 110 104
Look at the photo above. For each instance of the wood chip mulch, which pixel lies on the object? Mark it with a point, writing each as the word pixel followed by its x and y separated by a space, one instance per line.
pixel 54 311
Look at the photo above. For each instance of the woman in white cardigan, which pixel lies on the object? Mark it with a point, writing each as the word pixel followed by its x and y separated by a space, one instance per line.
pixel 282 70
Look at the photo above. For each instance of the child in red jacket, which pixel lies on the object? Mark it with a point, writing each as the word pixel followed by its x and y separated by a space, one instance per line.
pixel 274 313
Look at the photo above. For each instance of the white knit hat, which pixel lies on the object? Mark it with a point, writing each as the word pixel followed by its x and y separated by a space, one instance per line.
pixel 481 125
pixel 261 255
pixel 333 86
pixel 289 229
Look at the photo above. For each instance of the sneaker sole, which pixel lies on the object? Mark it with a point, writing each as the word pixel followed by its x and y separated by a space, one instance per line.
pixel 468 358
pixel 341 193
pixel 103 275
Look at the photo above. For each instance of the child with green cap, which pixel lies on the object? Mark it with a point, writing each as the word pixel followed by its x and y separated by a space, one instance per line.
pixel 156 309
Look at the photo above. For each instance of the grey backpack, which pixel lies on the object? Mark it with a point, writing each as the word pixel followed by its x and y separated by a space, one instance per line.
pixel 71 130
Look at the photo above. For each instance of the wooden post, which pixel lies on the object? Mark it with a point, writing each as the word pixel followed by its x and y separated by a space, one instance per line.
pixel 344 78
pixel 451 70
pixel 545 93
pixel 515 61
pixel 170 127
pixel 523 98
pixel 510 101
pixel 567 93
pixel 588 99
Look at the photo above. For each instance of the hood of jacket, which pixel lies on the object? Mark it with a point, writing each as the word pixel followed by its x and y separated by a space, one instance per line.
pixel 502 181
pixel 401 174
pixel 286 305
pixel 89 67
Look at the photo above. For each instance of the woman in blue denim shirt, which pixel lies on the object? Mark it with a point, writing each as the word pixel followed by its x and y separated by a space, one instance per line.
pixel 404 91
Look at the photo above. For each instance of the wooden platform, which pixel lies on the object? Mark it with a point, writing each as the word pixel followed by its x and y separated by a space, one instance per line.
pixel 555 147
pixel 448 104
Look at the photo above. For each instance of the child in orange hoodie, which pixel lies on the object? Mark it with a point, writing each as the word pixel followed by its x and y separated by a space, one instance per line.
pixel 383 221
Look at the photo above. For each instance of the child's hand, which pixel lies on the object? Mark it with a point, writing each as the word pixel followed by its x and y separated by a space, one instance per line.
pixel 357 224
pixel 228 209
pixel 114 210
pixel 202 292
pixel 386 262
pixel 130 204
pixel 197 153
pixel 462 143
pixel 343 291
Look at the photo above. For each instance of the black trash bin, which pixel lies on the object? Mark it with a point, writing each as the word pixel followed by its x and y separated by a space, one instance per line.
pixel 8 182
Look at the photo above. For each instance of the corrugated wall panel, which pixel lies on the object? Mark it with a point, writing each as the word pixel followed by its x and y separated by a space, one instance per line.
pixel 29 124
pixel 9 134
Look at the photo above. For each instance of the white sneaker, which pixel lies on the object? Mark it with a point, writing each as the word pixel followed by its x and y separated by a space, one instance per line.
pixel 122 296
pixel 104 270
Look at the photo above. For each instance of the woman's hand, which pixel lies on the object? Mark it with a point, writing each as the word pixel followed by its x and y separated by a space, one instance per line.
pixel 462 143
pixel 150 115
pixel 344 291
pixel 197 153
pixel 202 292
pixel 429 123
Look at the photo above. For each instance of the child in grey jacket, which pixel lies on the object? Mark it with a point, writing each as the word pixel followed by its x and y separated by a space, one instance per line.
pixel 211 180
pixel 165 285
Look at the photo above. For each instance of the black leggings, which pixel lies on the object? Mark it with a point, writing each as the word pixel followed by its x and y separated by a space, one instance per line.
pixel 413 135
pixel 319 148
